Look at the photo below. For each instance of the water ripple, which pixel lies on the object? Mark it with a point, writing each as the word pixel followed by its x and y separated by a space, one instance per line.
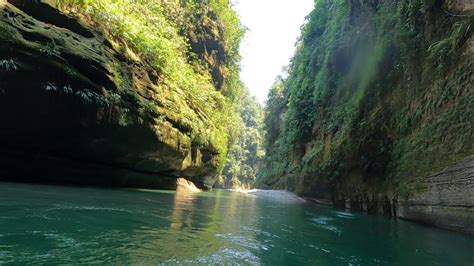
pixel 346 215
pixel 59 207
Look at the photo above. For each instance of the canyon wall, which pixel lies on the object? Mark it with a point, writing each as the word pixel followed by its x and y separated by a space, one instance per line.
pixel 376 111
pixel 87 97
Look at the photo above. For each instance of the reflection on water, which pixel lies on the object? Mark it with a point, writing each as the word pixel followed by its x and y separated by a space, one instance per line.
pixel 183 209
pixel 45 224
pixel 194 230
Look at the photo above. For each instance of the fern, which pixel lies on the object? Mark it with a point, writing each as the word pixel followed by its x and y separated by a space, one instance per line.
pixel 8 65
pixel 442 50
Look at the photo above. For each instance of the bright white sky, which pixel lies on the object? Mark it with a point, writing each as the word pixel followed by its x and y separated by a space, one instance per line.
pixel 273 28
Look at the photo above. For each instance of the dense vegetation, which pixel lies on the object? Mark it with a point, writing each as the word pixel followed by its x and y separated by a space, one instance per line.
pixel 245 147
pixel 373 87
pixel 195 47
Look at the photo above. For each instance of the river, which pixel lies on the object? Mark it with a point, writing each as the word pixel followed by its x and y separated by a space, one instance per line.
pixel 64 225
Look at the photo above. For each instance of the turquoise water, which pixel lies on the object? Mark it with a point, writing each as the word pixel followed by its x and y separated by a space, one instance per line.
pixel 62 225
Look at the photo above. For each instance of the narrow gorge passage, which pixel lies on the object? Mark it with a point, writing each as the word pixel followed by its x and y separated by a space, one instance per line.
pixel 309 132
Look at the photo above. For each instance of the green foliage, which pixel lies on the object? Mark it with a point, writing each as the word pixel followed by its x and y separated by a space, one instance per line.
pixel 8 65
pixel 275 104
pixel 245 146
pixel 6 31
pixel 86 95
pixel 160 34
pixel 50 49
pixel 444 50
pixel 362 105
pixel 232 30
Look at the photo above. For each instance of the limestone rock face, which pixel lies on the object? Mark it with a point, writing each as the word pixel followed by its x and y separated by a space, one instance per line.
pixel 75 108
pixel 377 103
pixel 446 200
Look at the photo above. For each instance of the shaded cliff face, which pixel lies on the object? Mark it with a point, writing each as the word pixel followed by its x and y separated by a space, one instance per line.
pixel 379 96
pixel 80 104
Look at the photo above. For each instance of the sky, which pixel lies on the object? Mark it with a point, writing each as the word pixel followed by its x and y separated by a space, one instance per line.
pixel 273 29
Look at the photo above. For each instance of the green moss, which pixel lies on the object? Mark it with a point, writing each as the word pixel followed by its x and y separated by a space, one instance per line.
pixel 362 110
pixel 443 51
pixel 160 33
pixel 6 32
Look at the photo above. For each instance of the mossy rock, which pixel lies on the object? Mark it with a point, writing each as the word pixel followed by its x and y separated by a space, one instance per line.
pixel 69 91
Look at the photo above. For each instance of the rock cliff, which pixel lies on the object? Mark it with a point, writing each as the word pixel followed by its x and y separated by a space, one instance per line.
pixel 446 200
pixel 79 104
pixel 376 112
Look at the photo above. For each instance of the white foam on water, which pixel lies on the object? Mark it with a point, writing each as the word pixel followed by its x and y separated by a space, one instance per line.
pixel 282 196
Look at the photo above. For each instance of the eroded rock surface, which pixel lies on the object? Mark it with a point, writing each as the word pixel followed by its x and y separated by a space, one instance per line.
pixel 73 107
pixel 447 199
pixel 378 101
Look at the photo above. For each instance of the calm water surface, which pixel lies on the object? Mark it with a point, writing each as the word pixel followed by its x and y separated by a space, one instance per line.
pixel 57 225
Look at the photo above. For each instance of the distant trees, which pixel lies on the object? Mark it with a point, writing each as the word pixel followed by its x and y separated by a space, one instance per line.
pixel 245 146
